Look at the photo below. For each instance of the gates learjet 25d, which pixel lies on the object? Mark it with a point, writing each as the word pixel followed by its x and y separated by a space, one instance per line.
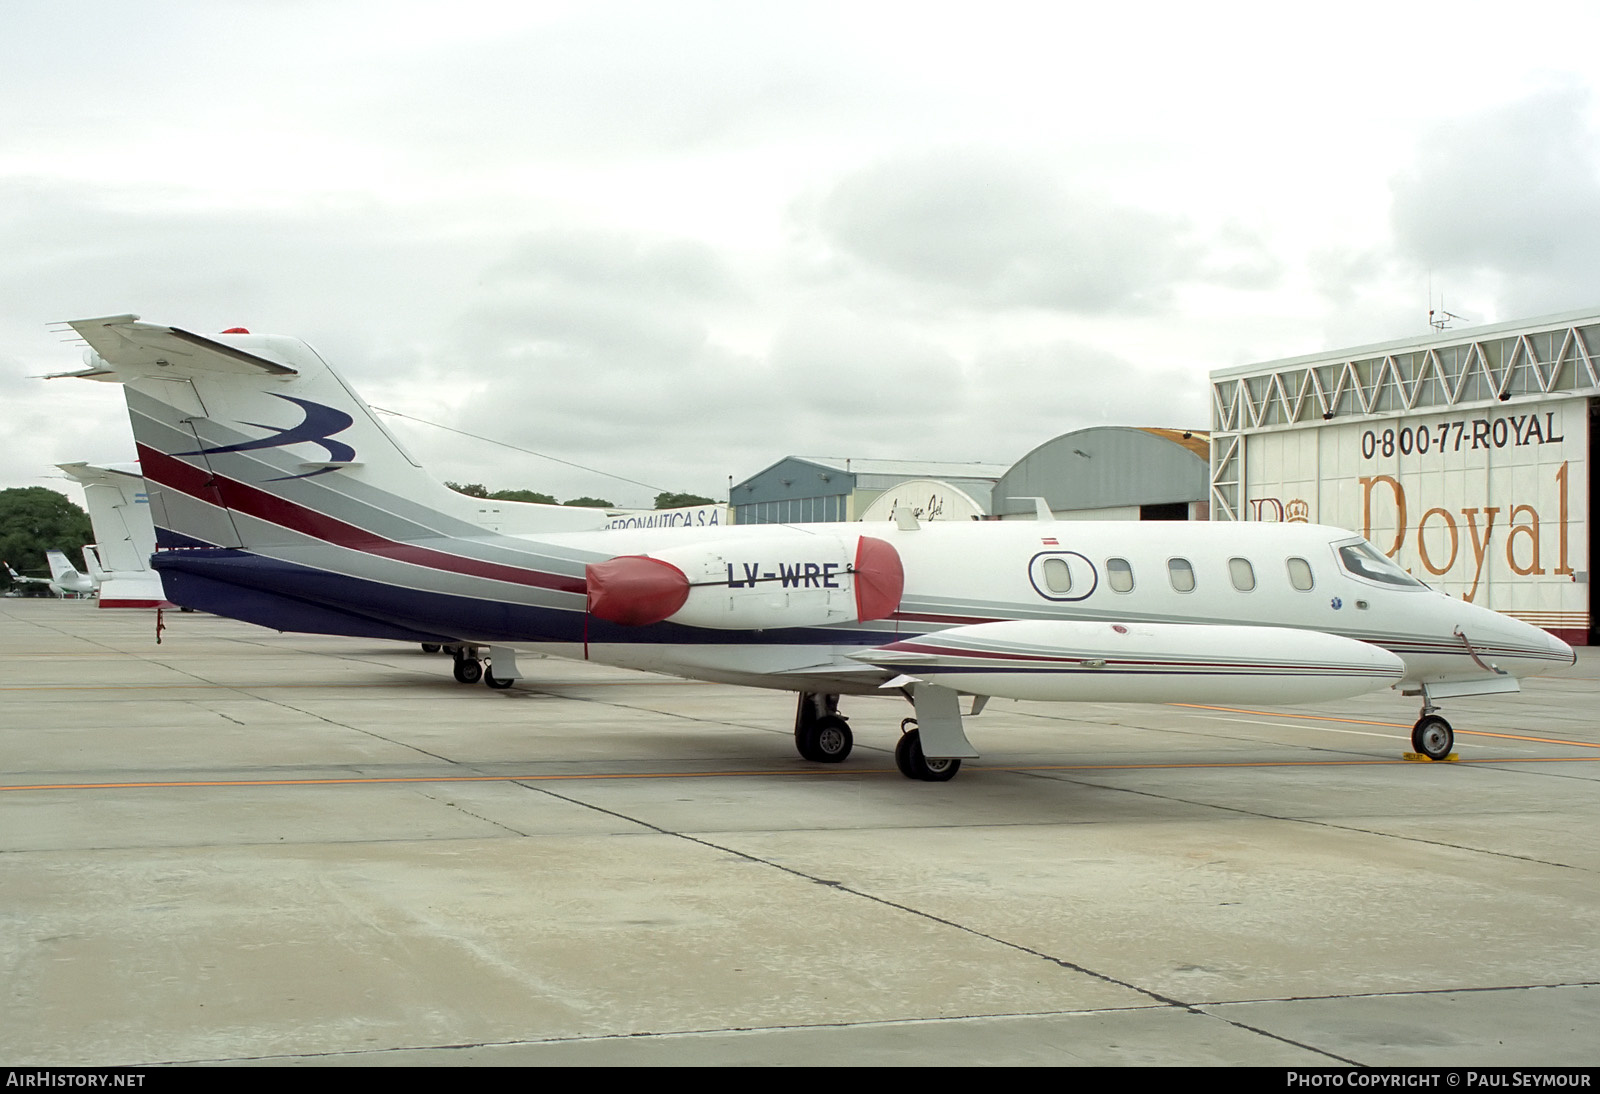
pixel 280 499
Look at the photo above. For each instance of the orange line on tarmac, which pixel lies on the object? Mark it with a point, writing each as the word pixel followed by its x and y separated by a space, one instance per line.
pixel 1393 725
pixel 336 684
pixel 353 781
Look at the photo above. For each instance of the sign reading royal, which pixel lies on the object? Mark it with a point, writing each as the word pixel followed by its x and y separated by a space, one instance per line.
pixel 690 516
pixel 1489 505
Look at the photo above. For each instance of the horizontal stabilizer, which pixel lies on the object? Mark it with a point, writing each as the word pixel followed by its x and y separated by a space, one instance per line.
pixel 131 348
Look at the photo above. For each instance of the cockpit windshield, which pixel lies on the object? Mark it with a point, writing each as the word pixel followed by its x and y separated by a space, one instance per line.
pixel 1361 560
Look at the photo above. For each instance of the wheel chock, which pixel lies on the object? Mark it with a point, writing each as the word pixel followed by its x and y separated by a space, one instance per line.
pixel 1419 758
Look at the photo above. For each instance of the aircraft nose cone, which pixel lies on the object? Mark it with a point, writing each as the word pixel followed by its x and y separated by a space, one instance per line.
pixel 1564 654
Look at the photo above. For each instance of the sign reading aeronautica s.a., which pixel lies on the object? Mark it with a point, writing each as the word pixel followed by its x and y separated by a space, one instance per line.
pixel 690 516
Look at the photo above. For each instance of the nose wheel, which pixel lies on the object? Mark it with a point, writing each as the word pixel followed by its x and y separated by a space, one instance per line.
pixel 1433 737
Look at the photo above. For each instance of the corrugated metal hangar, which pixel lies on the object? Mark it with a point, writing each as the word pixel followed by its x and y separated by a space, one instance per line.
pixel 1464 455
pixel 1111 473
pixel 798 489
pixel 1102 473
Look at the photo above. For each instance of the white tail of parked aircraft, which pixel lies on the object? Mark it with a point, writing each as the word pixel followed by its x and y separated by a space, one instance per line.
pixel 283 501
pixel 125 536
pixel 64 579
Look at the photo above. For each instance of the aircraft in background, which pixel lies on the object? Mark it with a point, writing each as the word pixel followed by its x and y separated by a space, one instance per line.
pixel 125 537
pixel 64 579
pixel 282 500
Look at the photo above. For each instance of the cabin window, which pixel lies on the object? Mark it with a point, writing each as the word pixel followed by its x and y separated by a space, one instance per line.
pixel 1243 574
pixel 1300 574
pixel 1120 574
pixel 1182 574
pixel 1057 575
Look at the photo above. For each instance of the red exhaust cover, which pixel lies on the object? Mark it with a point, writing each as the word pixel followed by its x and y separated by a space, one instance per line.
pixel 880 579
pixel 634 590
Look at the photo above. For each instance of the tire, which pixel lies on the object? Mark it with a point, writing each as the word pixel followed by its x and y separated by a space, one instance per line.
pixel 499 683
pixel 468 670
pixel 827 740
pixel 908 757
pixel 1433 737
pixel 431 647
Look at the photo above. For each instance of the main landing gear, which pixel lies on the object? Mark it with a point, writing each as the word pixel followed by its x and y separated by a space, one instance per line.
pixel 913 764
pixel 821 733
pixel 470 668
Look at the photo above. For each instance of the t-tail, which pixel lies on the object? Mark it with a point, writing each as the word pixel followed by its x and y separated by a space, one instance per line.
pixel 256 450
pixel 230 427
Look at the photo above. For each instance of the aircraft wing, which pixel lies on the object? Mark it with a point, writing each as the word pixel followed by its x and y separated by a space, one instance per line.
pixel 1096 661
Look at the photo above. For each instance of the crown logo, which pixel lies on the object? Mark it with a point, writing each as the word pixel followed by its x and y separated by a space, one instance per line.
pixel 1298 510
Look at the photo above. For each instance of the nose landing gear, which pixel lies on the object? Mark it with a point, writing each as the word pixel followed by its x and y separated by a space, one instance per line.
pixel 1432 736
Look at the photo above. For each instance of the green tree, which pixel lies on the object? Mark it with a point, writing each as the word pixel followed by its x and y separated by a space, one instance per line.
pixel 591 503
pixel 666 500
pixel 523 495
pixel 471 489
pixel 35 519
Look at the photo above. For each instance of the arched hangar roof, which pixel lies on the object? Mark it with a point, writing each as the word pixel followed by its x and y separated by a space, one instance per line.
pixel 1108 466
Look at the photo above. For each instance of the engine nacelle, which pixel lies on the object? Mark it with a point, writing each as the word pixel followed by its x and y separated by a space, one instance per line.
pixel 751 582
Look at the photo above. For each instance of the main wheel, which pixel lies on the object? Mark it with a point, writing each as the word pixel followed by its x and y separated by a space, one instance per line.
pixel 908 757
pixel 1433 737
pixel 826 740
pixel 468 670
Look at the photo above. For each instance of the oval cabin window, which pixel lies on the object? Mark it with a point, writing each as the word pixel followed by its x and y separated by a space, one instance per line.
pixel 1243 574
pixel 1182 574
pixel 1057 575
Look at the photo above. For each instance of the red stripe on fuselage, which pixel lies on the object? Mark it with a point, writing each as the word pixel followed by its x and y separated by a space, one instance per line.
pixel 227 493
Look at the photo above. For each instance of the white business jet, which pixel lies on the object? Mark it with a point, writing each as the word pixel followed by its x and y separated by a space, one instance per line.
pixel 290 505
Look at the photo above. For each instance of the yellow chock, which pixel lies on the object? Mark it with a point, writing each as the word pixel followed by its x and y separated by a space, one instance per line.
pixel 1419 758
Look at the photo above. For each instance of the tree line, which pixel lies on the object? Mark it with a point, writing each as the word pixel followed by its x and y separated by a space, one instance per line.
pixel 36 519
pixel 664 500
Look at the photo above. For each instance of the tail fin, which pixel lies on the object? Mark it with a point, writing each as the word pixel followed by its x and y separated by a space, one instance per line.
pixel 91 559
pixel 62 572
pixel 119 511
pixel 251 441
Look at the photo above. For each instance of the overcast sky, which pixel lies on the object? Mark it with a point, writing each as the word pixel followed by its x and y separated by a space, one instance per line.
pixel 678 241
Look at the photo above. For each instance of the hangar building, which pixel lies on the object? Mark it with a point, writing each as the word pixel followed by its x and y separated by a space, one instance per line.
pixel 1111 473
pixel 1464 455
pixel 803 489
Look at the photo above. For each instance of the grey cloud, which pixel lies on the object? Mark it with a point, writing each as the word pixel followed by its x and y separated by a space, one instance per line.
pixel 1513 191
pixel 608 81
pixel 995 230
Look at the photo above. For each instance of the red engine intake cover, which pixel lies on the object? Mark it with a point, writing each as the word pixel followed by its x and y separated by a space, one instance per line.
pixel 634 590
pixel 880 579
